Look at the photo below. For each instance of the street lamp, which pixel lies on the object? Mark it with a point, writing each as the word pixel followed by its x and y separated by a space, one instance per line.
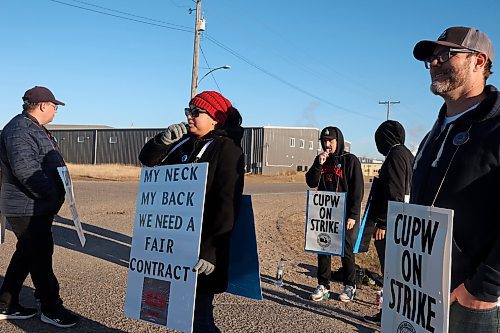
pixel 212 70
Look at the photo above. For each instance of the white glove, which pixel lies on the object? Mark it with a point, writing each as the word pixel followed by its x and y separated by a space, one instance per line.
pixel 173 133
pixel 204 266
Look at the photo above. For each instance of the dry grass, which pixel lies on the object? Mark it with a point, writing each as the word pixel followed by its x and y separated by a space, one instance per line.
pixel 295 177
pixel 115 172
pixel 120 172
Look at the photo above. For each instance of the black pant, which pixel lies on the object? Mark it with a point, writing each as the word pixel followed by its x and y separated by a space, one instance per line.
pixel 203 321
pixel 33 256
pixel 380 247
pixel 348 264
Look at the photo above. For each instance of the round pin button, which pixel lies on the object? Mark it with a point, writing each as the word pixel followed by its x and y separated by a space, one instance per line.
pixel 461 138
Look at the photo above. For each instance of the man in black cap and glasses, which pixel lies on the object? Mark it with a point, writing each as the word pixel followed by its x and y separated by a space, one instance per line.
pixel 31 194
pixel 458 167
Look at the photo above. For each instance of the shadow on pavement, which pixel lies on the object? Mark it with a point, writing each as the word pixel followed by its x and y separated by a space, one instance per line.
pixel 303 302
pixel 298 289
pixel 34 324
pixel 311 270
pixel 100 243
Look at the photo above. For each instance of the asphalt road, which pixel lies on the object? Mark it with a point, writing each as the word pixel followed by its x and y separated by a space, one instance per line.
pixel 93 279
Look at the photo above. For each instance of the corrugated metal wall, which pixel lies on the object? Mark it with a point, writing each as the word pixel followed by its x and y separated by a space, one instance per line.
pixel 77 146
pixel 267 150
pixel 122 146
pixel 103 146
pixel 252 144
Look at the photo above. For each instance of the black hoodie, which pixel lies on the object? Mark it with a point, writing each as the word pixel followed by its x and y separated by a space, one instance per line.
pixel 341 172
pixel 470 148
pixel 394 178
pixel 223 192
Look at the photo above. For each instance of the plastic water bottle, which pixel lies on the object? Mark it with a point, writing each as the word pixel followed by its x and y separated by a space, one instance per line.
pixel 280 272
pixel 380 298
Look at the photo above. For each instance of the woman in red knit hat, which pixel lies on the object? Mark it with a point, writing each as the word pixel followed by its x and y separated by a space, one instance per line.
pixel 212 134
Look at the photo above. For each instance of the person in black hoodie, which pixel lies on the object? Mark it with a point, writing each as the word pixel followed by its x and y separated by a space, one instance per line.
pixel 392 184
pixel 339 171
pixel 213 134
pixel 458 167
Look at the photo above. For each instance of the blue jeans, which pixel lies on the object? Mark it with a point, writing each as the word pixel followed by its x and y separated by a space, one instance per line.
pixel 465 320
pixel 204 314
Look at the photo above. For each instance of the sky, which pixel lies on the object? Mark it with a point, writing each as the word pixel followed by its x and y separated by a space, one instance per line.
pixel 127 63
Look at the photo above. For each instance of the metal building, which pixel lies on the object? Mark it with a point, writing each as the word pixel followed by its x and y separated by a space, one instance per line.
pixel 278 150
pixel 103 146
pixel 268 150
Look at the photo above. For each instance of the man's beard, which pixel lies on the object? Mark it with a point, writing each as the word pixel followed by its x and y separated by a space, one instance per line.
pixel 456 78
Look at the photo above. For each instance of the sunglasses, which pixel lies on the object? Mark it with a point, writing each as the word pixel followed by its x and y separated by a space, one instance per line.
pixel 193 112
pixel 444 56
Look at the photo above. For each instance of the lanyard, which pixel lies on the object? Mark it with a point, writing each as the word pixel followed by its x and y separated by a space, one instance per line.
pixel 448 167
pixel 183 142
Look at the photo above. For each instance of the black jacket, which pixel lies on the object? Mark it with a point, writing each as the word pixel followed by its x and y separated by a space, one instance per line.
pixel 341 172
pixel 394 178
pixel 29 159
pixel 222 197
pixel 471 188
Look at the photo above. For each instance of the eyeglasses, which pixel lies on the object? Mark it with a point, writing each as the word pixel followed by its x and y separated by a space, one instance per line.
pixel 193 112
pixel 55 106
pixel 444 56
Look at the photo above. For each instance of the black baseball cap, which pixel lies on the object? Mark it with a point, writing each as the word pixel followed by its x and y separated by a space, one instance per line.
pixel 328 133
pixel 39 94
pixel 456 37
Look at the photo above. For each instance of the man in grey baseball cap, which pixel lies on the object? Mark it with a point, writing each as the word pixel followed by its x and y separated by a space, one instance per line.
pixel 456 38
pixel 457 167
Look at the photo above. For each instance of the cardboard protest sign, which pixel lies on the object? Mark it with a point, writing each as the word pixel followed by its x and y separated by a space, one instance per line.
pixel 417 269
pixel 165 245
pixel 244 272
pixel 325 222
pixel 70 201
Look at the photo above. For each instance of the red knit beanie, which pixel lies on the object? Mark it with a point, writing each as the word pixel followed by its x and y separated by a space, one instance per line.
pixel 214 103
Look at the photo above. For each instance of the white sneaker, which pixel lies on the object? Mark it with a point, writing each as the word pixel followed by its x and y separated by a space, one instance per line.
pixel 348 294
pixel 320 293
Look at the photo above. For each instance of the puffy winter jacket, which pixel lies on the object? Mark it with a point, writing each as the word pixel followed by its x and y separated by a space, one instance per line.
pixel 29 158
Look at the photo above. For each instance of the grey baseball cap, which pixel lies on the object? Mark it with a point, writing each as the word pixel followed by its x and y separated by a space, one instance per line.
pixel 456 37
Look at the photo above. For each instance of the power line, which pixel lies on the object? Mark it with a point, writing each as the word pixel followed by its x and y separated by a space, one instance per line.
pixel 133 15
pixel 224 47
pixel 182 28
pixel 263 24
pixel 276 77
pixel 212 74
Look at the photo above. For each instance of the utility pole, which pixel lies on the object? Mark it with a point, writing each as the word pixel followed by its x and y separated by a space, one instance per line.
pixel 194 77
pixel 389 106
